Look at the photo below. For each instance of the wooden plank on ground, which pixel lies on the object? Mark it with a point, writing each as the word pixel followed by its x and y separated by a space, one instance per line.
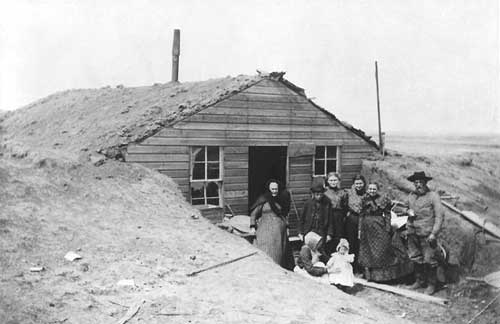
pixel 131 312
pixel 403 292
pixel 474 218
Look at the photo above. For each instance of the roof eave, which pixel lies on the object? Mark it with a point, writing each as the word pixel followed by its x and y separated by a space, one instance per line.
pixel 300 91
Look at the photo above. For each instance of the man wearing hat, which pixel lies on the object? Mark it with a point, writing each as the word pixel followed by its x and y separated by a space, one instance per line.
pixel 425 218
pixel 317 215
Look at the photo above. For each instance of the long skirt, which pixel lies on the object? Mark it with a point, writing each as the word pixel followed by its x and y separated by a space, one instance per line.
pixel 351 231
pixel 271 238
pixel 382 253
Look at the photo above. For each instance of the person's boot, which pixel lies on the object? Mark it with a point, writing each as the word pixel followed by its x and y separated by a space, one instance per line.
pixel 431 280
pixel 419 277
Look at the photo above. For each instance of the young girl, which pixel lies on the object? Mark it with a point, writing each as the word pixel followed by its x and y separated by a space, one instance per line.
pixel 338 198
pixel 339 266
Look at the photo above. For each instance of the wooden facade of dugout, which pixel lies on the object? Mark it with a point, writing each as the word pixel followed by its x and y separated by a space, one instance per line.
pixel 224 153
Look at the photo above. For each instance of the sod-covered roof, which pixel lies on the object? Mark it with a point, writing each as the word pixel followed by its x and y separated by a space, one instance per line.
pixel 105 120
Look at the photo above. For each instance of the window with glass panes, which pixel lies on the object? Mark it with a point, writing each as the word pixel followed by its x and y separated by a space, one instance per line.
pixel 206 177
pixel 325 160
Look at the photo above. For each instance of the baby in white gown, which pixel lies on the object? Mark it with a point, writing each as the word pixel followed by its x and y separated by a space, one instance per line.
pixel 339 266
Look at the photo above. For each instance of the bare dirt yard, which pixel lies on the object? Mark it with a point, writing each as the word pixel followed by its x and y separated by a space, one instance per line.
pixel 128 222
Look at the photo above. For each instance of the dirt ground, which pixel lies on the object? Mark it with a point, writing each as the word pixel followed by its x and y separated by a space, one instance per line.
pixel 128 222
pixel 461 168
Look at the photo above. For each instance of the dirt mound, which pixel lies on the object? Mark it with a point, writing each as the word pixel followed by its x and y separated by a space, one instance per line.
pixel 107 119
pixel 128 222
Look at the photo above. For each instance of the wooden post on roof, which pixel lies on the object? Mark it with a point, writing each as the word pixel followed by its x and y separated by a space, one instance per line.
pixel 176 51
pixel 380 140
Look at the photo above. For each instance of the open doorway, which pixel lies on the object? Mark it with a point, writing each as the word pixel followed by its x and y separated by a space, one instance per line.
pixel 264 163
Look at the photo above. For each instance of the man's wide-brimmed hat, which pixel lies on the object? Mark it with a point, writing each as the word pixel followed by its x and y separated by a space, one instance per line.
pixel 318 185
pixel 419 175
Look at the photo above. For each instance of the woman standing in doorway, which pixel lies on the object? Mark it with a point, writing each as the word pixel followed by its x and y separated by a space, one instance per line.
pixel 382 257
pixel 268 222
pixel 351 223
pixel 338 198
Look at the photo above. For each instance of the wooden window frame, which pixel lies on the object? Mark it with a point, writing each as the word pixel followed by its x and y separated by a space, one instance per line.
pixel 326 159
pixel 206 180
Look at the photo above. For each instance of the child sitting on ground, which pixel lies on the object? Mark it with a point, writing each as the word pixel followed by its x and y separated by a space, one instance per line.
pixel 308 263
pixel 339 266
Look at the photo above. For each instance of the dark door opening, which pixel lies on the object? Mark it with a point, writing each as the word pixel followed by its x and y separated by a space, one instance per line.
pixel 264 163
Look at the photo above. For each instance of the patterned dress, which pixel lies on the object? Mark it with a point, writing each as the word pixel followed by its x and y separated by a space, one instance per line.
pixel 381 252
pixel 351 222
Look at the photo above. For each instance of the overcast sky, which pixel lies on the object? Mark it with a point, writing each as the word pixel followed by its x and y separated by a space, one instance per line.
pixel 438 60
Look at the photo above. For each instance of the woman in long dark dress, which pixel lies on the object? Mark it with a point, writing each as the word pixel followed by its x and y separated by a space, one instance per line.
pixel 351 222
pixel 381 254
pixel 338 199
pixel 268 221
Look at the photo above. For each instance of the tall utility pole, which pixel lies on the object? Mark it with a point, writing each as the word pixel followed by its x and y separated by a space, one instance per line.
pixel 380 140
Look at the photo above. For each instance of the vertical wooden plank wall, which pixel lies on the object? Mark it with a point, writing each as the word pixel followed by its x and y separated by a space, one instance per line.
pixel 300 178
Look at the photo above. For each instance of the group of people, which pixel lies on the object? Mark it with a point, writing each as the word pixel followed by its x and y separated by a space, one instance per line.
pixel 339 227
